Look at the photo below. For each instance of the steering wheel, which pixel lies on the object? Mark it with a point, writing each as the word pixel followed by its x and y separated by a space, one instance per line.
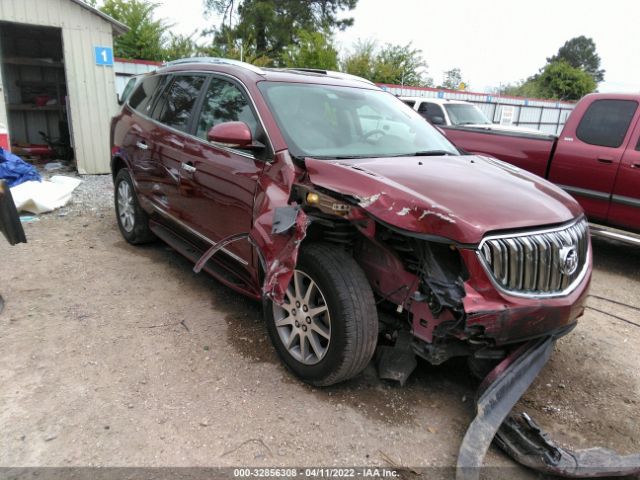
pixel 367 136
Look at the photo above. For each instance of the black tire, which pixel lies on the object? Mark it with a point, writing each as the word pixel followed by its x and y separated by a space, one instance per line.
pixel 353 316
pixel 139 232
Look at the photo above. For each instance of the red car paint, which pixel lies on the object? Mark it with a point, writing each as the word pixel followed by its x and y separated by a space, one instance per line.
pixel 454 201
pixel 604 179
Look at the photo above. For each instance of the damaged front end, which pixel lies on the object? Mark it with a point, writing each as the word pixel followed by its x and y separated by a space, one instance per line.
pixel 447 294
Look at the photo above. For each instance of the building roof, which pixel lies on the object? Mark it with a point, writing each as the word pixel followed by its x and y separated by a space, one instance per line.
pixel 118 27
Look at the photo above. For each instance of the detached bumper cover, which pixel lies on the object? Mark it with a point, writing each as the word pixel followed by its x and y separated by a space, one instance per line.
pixel 523 440
pixel 519 436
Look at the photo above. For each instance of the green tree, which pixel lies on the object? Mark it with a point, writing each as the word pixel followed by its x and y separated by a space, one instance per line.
pixel 452 79
pixel 361 60
pixel 313 50
pixel 580 52
pixel 562 81
pixel 401 65
pixel 181 46
pixel 393 64
pixel 145 38
pixel 271 26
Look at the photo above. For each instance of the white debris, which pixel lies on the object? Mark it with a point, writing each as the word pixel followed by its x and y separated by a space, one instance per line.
pixel 404 212
pixel 43 197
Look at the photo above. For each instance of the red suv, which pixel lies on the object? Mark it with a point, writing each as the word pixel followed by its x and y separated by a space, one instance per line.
pixel 332 201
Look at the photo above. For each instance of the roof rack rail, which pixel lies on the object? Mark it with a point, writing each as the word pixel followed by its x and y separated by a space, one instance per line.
pixel 331 73
pixel 215 60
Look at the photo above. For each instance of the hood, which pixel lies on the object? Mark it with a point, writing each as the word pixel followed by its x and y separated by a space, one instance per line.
pixel 461 198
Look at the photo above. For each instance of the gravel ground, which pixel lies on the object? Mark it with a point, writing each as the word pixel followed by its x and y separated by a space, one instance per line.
pixel 114 355
pixel 94 196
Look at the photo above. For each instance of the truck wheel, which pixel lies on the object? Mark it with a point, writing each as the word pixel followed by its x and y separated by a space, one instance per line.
pixel 326 330
pixel 132 219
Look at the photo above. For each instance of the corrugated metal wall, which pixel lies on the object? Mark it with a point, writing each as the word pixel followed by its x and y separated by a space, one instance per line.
pixel 91 89
pixel 548 116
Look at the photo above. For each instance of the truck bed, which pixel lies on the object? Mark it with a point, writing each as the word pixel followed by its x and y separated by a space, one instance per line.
pixel 529 152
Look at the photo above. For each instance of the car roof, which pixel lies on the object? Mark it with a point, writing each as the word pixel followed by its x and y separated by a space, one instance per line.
pixel 252 73
pixel 439 101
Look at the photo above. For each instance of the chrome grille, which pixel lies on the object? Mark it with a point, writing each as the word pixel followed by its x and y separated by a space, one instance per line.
pixel 537 263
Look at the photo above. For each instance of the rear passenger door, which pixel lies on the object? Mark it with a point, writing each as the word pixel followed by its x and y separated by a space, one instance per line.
pixel 138 141
pixel 217 194
pixel 174 110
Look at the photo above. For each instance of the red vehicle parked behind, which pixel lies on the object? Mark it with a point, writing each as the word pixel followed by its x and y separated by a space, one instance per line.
pixel 596 159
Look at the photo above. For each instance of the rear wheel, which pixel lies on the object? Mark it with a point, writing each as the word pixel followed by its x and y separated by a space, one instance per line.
pixel 327 328
pixel 133 221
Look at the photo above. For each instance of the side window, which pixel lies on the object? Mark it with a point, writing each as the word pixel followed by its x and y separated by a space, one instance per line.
pixel 129 87
pixel 143 97
pixel 605 123
pixel 429 110
pixel 224 102
pixel 411 103
pixel 176 104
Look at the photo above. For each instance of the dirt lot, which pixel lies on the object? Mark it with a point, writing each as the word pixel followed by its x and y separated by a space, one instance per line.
pixel 112 355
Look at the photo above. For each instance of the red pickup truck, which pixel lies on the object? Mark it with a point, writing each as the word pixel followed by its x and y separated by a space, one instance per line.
pixel 596 159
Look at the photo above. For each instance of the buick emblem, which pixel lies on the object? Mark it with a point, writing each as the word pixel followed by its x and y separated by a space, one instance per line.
pixel 568 260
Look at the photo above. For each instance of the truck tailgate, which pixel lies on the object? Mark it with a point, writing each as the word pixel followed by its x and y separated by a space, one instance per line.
pixel 529 152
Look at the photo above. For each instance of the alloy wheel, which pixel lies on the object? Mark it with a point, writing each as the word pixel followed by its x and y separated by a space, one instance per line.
pixel 302 321
pixel 126 211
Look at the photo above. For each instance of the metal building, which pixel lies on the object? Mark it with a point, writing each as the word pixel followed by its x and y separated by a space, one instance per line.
pixel 57 76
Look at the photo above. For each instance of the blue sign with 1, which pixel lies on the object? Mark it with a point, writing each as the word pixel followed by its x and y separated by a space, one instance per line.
pixel 104 56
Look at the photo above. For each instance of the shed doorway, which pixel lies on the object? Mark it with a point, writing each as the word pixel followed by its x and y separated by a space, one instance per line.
pixel 35 92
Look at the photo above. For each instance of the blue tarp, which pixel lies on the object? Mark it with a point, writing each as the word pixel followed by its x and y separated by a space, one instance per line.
pixel 15 171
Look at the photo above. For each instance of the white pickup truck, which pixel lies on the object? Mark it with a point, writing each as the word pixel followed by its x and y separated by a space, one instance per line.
pixel 439 111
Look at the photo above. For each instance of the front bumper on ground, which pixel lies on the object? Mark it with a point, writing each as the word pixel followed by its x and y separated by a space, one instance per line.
pixel 519 436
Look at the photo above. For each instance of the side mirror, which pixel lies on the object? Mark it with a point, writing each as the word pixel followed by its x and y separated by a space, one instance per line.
pixel 231 134
pixel 120 100
pixel 437 120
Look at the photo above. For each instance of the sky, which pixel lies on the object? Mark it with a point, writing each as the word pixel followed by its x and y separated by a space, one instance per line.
pixel 493 42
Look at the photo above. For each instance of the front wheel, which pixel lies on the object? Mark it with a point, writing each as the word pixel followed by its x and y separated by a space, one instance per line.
pixel 326 330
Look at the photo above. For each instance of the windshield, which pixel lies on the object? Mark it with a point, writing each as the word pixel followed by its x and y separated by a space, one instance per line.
pixel 324 121
pixel 461 114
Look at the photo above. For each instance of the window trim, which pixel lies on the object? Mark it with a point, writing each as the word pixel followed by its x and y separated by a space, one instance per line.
pixel 270 152
pixel 628 128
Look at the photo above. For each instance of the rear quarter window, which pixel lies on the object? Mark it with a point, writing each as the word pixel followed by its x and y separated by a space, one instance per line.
pixel 143 97
pixel 605 123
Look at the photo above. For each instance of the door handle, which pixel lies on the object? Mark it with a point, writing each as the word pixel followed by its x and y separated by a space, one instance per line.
pixel 605 160
pixel 188 168
pixel 635 165
pixel 142 145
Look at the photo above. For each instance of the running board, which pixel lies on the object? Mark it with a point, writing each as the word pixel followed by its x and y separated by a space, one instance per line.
pixel 614 234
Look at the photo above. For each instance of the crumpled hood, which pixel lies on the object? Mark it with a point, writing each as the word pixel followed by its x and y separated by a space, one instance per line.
pixel 460 198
